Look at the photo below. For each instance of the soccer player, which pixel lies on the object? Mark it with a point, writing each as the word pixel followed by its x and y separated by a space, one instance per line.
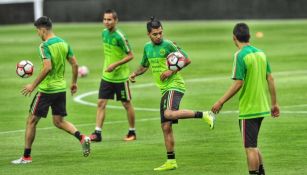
pixel 117 53
pixel 252 74
pixel 51 84
pixel 171 85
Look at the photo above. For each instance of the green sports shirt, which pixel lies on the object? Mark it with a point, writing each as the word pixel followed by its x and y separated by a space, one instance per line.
pixel 57 51
pixel 251 65
pixel 116 47
pixel 154 56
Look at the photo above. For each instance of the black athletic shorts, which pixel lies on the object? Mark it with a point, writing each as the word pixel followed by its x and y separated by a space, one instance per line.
pixel 170 100
pixel 108 89
pixel 250 129
pixel 42 101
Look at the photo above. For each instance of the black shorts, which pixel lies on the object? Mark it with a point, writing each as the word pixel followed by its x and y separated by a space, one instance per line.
pixel 42 101
pixel 108 89
pixel 170 100
pixel 250 129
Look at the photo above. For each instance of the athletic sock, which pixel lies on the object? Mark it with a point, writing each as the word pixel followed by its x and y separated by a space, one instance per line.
pixel 254 172
pixel 78 135
pixel 97 132
pixel 131 131
pixel 261 170
pixel 170 155
pixel 98 129
pixel 198 114
pixel 27 153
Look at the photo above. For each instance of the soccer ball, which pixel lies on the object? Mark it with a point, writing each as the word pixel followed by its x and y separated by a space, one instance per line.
pixel 175 61
pixel 24 68
pixel 83 71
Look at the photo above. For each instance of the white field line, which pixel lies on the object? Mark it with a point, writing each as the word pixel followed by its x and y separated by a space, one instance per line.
pixel 80 125
pixel 78 99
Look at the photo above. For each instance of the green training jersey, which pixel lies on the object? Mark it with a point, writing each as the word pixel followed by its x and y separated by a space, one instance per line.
pixel 251 66
pixel 154 56
pixel 57 51
pixel 116 47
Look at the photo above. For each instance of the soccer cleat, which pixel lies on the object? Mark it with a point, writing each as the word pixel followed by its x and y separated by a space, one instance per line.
pixel 95 137
pixel 86 145
pixel 168 165
pixel 209 118
pixel 130 137
pixel 22 160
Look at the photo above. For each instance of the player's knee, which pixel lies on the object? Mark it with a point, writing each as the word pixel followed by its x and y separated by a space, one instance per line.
pixel 168 114
pixel 57 123
pixel 101 104
pixel 32 120
pixel 166 127
pixel 126 104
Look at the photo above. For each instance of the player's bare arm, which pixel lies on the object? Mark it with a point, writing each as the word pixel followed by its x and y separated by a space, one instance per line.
pixel 28 89
pixel 74 66
pixel 275 108
pixel 234 88
pixel 126 59
pixel 136 73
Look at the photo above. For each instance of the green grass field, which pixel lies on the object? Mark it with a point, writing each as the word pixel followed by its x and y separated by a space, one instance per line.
pixel 199 151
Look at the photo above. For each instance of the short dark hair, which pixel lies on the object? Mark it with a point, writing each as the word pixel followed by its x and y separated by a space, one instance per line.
pixel 241 31
pixel 153 24
pixel 113 13
pixel 43 21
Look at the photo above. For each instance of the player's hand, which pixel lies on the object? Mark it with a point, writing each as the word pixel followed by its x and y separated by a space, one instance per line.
pixel 132 78
pixel 27 90
pixel 111 67
pixel 165 75
pixel 217 107
pixel 73 88
pixel 275 112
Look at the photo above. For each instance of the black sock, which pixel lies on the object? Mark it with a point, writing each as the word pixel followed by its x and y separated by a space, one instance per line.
pixel 131 132
pixel 78 135
pixel 198 114
pixel 170 155
pixel 97 132
pixel 261 170
pixel 254 172
pixel 27 152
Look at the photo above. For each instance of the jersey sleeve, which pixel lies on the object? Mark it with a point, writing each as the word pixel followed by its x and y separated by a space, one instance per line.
pixel 268 68
pixel 123 43
pixel 239 68
pixel 44 51
pixel 70 52
pixel 174 48
pixel 145 62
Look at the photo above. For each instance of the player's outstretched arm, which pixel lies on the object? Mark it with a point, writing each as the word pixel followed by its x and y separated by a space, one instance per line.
pixel 234 88
pixel 126 59
pixel 74 66
pixel 136 73
pixel 275 108
pixel 28 89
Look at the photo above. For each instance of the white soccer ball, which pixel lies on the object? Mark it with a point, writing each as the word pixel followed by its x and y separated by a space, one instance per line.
pixel 83 71
pixel 175 61
pixel 24 68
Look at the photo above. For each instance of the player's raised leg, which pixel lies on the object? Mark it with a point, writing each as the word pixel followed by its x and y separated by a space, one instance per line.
pixel 207 116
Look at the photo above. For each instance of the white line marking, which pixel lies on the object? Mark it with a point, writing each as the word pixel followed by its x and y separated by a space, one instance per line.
pixel 78 99
pixel 80 125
